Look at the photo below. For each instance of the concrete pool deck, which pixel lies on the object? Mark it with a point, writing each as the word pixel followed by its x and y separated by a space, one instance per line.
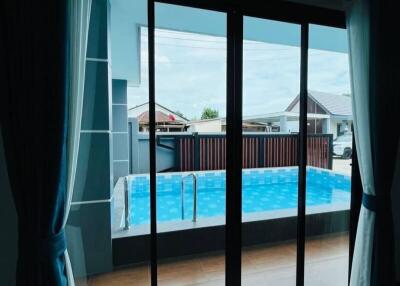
pixel 342 166
pixel 144 229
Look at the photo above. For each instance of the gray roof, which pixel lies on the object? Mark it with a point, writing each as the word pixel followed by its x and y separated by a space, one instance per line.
pixel 335 104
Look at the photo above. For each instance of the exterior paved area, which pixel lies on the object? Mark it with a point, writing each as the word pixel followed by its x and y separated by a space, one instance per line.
pixel 342 166
pixel 326 265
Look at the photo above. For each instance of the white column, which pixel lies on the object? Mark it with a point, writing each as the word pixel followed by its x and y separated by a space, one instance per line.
pixel 326 126
pixel 283 123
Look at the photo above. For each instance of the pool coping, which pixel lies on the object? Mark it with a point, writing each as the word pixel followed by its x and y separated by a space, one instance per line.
pixel 194 241
pixel 247 170
pixel 179 225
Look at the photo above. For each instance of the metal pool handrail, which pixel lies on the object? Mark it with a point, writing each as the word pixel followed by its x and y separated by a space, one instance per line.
pixel 126 202
pixel 194 176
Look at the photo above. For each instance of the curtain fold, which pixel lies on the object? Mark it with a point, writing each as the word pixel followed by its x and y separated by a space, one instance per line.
pixel 359 38
pixel 40 112
pixel 375 95
pixel 396 214
pixel 78 27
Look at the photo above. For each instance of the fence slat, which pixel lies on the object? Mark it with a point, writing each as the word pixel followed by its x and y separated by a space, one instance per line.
pixel 258 151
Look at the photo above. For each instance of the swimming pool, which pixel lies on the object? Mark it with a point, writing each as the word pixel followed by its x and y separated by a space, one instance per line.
pixel 264 190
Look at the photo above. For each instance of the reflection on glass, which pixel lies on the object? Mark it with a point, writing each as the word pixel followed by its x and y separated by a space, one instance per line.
pixel 271 72
pixel 190 85
pixel 329 148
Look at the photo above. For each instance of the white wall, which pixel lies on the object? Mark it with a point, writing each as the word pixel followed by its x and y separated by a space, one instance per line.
pixel 8 223
pixel 206 126
pixel 292 126
pixel 334 124
pixel 333 128
pixel 165 158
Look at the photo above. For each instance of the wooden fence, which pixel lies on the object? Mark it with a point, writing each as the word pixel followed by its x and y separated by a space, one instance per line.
pixel 208 151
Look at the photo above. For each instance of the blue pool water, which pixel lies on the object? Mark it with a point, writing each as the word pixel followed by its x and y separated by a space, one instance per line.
pixel 263 190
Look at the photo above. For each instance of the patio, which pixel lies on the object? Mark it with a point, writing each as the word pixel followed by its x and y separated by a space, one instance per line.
pixel 326 263
pixel 342 166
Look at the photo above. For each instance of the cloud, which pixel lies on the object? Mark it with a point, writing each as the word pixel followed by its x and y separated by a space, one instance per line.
pixel 191 74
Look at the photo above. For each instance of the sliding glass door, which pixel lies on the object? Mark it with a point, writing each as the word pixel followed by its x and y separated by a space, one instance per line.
pixel 190 107
pixel 243 184
pixel 329 153
pixel 271 82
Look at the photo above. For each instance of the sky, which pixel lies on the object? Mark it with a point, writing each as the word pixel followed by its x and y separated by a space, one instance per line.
pixel 191 74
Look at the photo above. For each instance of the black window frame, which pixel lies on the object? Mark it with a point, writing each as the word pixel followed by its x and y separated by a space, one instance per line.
pixel 301 14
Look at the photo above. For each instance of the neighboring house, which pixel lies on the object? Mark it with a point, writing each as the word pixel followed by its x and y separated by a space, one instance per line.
pixel 207 125
pixel 336 107
pixel 326 113
pixel 219 125
pixel 166 119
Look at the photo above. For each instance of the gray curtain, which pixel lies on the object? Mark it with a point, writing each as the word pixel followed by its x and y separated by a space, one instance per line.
pixel 78 27
pixel 374 65
pixel 396 214
pixel 33 109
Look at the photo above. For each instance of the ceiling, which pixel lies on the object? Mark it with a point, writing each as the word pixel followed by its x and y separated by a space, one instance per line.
pixel 330 4
pixel 127 16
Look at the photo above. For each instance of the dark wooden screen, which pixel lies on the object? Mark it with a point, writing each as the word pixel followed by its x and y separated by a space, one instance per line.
pixel 208 152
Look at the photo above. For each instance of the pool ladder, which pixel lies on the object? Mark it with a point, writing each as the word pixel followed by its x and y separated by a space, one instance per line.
pixel 194 176
pixel 126 204
pixel 126 200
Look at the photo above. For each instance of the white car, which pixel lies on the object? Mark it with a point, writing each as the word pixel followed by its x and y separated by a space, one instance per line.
pixel 342 145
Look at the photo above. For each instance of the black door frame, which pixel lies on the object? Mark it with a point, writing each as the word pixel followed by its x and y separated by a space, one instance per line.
pixel 233 227
pixel 152 139
pixel 301 201
pixel 235 11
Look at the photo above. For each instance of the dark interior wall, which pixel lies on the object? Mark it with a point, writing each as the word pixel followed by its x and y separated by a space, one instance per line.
pixel 331 4
pixel 8 223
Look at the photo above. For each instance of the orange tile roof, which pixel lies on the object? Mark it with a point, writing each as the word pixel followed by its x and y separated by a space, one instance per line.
pixel 160 117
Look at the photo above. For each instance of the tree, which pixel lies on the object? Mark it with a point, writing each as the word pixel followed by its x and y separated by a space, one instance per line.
pixel 209 113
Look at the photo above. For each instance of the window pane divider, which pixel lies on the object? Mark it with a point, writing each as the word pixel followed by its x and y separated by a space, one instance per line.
pixel 233 229
pixel 301 203
pixel 152 137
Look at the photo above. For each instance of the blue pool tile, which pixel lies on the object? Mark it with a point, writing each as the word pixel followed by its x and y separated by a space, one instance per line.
pixel 263 190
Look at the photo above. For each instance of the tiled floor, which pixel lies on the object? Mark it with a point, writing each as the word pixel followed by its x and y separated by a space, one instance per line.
pixel 326 265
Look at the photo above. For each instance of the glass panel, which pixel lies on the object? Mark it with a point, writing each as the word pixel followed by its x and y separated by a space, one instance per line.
pixel 271 73
pixel 130 144
pixel 329 128
pixel 190 61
